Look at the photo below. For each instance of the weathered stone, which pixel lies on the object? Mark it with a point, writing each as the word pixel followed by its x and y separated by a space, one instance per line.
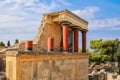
pixel 47 67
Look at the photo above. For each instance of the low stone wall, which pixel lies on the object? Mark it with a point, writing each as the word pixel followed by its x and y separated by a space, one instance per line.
pixel 46 66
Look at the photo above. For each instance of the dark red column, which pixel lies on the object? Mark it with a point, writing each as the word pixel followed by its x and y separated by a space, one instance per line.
pixel 50 44
pixel 83 41
pixel 65 36
pixel 76 37
pixel 28 45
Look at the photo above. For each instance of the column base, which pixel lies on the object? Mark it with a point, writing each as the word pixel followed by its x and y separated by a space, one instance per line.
pixel 28 49
pixel 75 51
pixel 50 50
pixel 65 51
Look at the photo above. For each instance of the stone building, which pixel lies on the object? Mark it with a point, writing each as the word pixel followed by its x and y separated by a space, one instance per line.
pixel 53 54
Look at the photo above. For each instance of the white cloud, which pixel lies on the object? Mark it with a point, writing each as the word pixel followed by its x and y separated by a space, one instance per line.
pixel 88 12
pixel 112 23
pixel 20 17
pixel 42 8
pixel 37 6
pixel 8 18
pixel 16 13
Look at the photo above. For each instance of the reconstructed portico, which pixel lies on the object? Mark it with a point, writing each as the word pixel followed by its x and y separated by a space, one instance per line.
pixel 61 22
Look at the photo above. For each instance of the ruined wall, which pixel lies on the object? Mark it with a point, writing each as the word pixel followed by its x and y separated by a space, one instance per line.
pixel 21 46
pixel 46 30
pixel 50 30
pixel 42 66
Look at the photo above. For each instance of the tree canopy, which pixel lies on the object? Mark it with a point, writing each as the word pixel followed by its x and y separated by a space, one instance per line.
pixel 2 44
pixel 16 41
pixel 8 43
pixel 103 47
pixel 108 49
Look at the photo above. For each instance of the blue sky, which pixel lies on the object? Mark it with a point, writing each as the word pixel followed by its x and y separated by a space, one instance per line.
pixel 21 18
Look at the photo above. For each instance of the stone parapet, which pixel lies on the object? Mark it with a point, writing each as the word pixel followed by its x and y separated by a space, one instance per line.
pixel 46 66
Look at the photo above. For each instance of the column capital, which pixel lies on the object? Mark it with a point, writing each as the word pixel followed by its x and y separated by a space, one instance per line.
pixel 84 31
pixel 75 28
pixel 65 23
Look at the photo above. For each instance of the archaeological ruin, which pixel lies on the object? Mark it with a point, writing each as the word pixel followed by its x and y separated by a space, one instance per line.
pixel 53 53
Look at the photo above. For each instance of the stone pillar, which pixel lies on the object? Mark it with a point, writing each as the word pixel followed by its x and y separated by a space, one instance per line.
pixel 84 41
pixel 65 36
pixel 28 45
pixel 76 42
pixel 50 44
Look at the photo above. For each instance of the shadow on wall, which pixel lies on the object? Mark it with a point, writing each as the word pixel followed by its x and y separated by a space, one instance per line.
pixel 2 64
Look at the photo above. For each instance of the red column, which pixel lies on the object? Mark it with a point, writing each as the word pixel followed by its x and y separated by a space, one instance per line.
pixel 50 44
pixel 28 45
pixel 65 37
pixel 83 41
pixel 76 37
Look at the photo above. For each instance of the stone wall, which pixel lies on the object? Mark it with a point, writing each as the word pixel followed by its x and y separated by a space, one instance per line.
pixel 46 30
pixel 46 66
pixel 2 55
pixel 50 30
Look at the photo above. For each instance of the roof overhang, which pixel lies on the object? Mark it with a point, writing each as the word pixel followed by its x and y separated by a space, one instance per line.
pixel 67 16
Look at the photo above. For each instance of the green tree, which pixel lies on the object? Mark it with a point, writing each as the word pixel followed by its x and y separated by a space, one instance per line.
pixel 106 47
pixel 103 47
pixel 16 41
pixel 105 58
pixel 2 44
pixel 98 58
pixel 95 57
pixel 80 50
pixel 8 43
pixel 95 45
pixel 116 49
pixel 117 54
